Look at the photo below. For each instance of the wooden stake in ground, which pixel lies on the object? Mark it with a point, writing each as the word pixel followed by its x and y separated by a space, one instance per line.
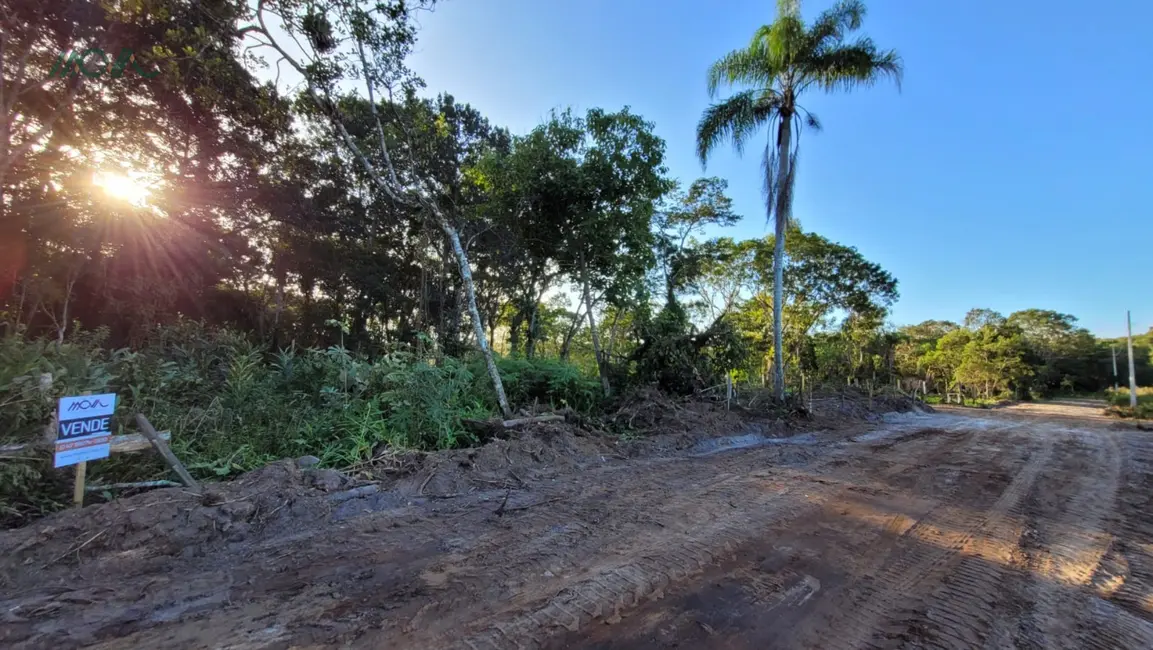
pixel 166 452
pixel 78 485
pixel 1132 372
pixel 81 470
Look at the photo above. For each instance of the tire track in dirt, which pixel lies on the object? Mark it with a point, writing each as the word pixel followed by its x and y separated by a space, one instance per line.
pixel 1120 612
pixel 679 556
pixel 783 569
pixel 606 592
pixel 928 552
pixel 544 553
pixel 1041 565
pixel 1065 541
pixel 531 552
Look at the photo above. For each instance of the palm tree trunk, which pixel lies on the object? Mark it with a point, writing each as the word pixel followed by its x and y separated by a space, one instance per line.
pixel 783 208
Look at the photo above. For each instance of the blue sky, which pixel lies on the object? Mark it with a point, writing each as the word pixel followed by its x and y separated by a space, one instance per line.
pixel 1014 169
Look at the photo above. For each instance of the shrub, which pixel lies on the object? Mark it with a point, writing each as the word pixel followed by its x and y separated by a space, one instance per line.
pixel 680 360
pixel 543 381
pixel 1120 397
pixel 233 406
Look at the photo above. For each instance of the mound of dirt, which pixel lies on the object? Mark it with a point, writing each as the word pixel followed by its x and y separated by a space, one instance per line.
pixel 649 411
pixel 854 405
pixel 527 453
pixel 156 525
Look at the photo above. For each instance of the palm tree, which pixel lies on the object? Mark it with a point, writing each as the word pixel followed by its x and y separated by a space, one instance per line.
pixel 784 60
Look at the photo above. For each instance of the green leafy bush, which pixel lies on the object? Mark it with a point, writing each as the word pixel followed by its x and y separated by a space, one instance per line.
pixel 680 360
pixel 548 382
pixel 1120 397
pixel 233 406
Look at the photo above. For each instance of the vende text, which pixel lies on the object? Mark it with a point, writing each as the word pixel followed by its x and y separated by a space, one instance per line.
pixel 85 427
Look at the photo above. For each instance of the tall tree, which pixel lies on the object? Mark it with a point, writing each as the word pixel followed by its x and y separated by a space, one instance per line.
pixel 681 258
pixel 1064 356
pixel 126 95
pixel 979 317
pixel 823 280
pixel 336 42
pixel 783 61
pixel 608 244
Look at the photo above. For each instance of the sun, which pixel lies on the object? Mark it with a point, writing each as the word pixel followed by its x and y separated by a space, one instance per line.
pixel 120 186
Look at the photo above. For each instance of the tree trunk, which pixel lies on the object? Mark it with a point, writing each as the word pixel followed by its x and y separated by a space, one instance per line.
pixel 530 345
pixel 566 346
pixel 62 324
pixel 477 325
pixel 602 369
pixel 613 334
pixel 781 220
pixel 514 332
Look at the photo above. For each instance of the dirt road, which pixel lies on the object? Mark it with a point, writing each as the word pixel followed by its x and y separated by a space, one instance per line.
pixel 1009 529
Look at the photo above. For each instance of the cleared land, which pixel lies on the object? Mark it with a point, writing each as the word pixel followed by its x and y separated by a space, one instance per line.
pixel 1011 528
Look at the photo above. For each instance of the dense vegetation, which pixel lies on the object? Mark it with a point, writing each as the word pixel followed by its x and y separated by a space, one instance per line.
pixel 341 264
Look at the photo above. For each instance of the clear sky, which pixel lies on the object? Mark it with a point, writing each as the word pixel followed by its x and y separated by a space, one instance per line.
pixel 1013 170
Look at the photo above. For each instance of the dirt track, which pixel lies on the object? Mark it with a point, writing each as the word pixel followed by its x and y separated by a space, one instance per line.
pixel 997 529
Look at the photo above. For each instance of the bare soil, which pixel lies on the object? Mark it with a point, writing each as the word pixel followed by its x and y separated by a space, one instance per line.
pixel 1017 527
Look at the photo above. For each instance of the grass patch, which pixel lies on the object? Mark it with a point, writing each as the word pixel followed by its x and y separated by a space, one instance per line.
pixel 1119 405
pixel 973 403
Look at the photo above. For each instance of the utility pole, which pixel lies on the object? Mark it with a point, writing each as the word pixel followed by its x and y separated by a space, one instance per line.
pixel 1132 371
pixel 1114 349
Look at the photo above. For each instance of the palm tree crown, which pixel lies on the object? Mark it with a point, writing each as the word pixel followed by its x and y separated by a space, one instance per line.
pixel 783 60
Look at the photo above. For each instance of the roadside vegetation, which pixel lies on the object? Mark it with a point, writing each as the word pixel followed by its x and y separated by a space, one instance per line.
pixel 275 272
pixel 1120 404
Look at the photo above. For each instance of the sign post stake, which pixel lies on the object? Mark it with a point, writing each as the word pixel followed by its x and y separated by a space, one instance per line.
pixel 81 476
pixel 78 486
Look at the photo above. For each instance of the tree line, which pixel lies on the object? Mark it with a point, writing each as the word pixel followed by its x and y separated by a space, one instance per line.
pixel 1030 353
pixel 346 207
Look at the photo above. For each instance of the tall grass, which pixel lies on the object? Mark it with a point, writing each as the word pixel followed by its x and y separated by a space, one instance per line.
pixel 1119 401
pixel 233 406
pixel 1120 397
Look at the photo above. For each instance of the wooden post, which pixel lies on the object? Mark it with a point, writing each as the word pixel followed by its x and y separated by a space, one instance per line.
pixel 169 457
pixel 81 471
pixel 78 485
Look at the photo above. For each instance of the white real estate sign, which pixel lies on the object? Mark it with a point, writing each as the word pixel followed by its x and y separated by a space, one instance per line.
pixel 85 430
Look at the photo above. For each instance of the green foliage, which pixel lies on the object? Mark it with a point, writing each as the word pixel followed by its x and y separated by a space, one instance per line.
pixel 1032 353
pixel 679 359
pixel 549 382
pixel 1120 397
pixel 1119 403
pixel 825 284
pixel 232 405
